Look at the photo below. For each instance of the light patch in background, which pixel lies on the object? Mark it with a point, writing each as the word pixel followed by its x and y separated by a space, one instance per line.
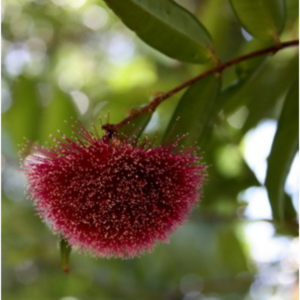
pixel 247 36
pixel 137 73
pixel 99 107
pixel 81 100
pixel 69 3
pixel 229 160
pixel 191 285
pixel 120 48
pixel 11 9
pixel 38 56
pixel 258 144
pixel 2 12
pixel 264 247
pixel 258 203
pixel 26 272
pixel 267 286
pixel 3 163
pixel 94 17
pixel 279 280
pixel 290 261
pixel 36 45
pixel 153 124
pixel 16 59
pixel 21 25
pixel 292 182
pixel 3 45
pixel 70 79
pixel 5 100
pixel 13 184
pixel 272 253
pixel 73 69
pixel 238 118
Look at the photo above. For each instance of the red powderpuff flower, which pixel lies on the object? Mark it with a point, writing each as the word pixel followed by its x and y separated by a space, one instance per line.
pixel 110 197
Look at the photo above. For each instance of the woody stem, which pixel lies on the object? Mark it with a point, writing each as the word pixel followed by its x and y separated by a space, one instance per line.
pixel 217 69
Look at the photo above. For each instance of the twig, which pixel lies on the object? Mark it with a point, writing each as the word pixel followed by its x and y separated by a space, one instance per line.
pixel 217 69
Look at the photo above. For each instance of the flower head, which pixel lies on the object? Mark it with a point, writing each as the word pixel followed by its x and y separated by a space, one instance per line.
pixel 113 197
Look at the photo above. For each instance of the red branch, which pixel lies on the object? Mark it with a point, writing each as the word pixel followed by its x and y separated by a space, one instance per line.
pixel 217 69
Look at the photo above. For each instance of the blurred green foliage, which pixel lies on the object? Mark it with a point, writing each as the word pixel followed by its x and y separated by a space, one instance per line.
pixel 75 59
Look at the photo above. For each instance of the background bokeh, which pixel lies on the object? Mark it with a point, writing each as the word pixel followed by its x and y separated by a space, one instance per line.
pixel 65 59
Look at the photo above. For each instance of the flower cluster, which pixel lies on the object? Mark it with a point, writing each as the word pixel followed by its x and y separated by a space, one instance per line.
pixel 112 197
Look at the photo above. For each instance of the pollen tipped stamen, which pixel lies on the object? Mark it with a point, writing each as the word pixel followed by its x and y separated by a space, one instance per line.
pixel 113 196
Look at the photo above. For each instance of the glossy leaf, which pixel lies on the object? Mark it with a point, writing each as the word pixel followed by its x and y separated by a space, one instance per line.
pixel 230 95
pixel 246 68
pixel 60 110
pixel 233 261
pixel 167 27
pixel 195 109
pixel 260 92
pixel 263 19
pixel 263 97
pixel 290 218
pixel 136 126
pixel 284 148
pixel 65 251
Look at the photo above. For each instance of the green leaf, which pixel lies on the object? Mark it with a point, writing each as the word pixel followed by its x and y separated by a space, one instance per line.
pixel 263 96
pixel 292 11
pixel 228 93
pixel 195 110
pixel 246 68
pixel 261 92
pixel 233 261
pixel 60 110
pixel 167 27
pixel 228 186
pixel 136 126
pixel 65 250
pixel 23 118
pixel 283 151
pixel 263 19
pixel 291 226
